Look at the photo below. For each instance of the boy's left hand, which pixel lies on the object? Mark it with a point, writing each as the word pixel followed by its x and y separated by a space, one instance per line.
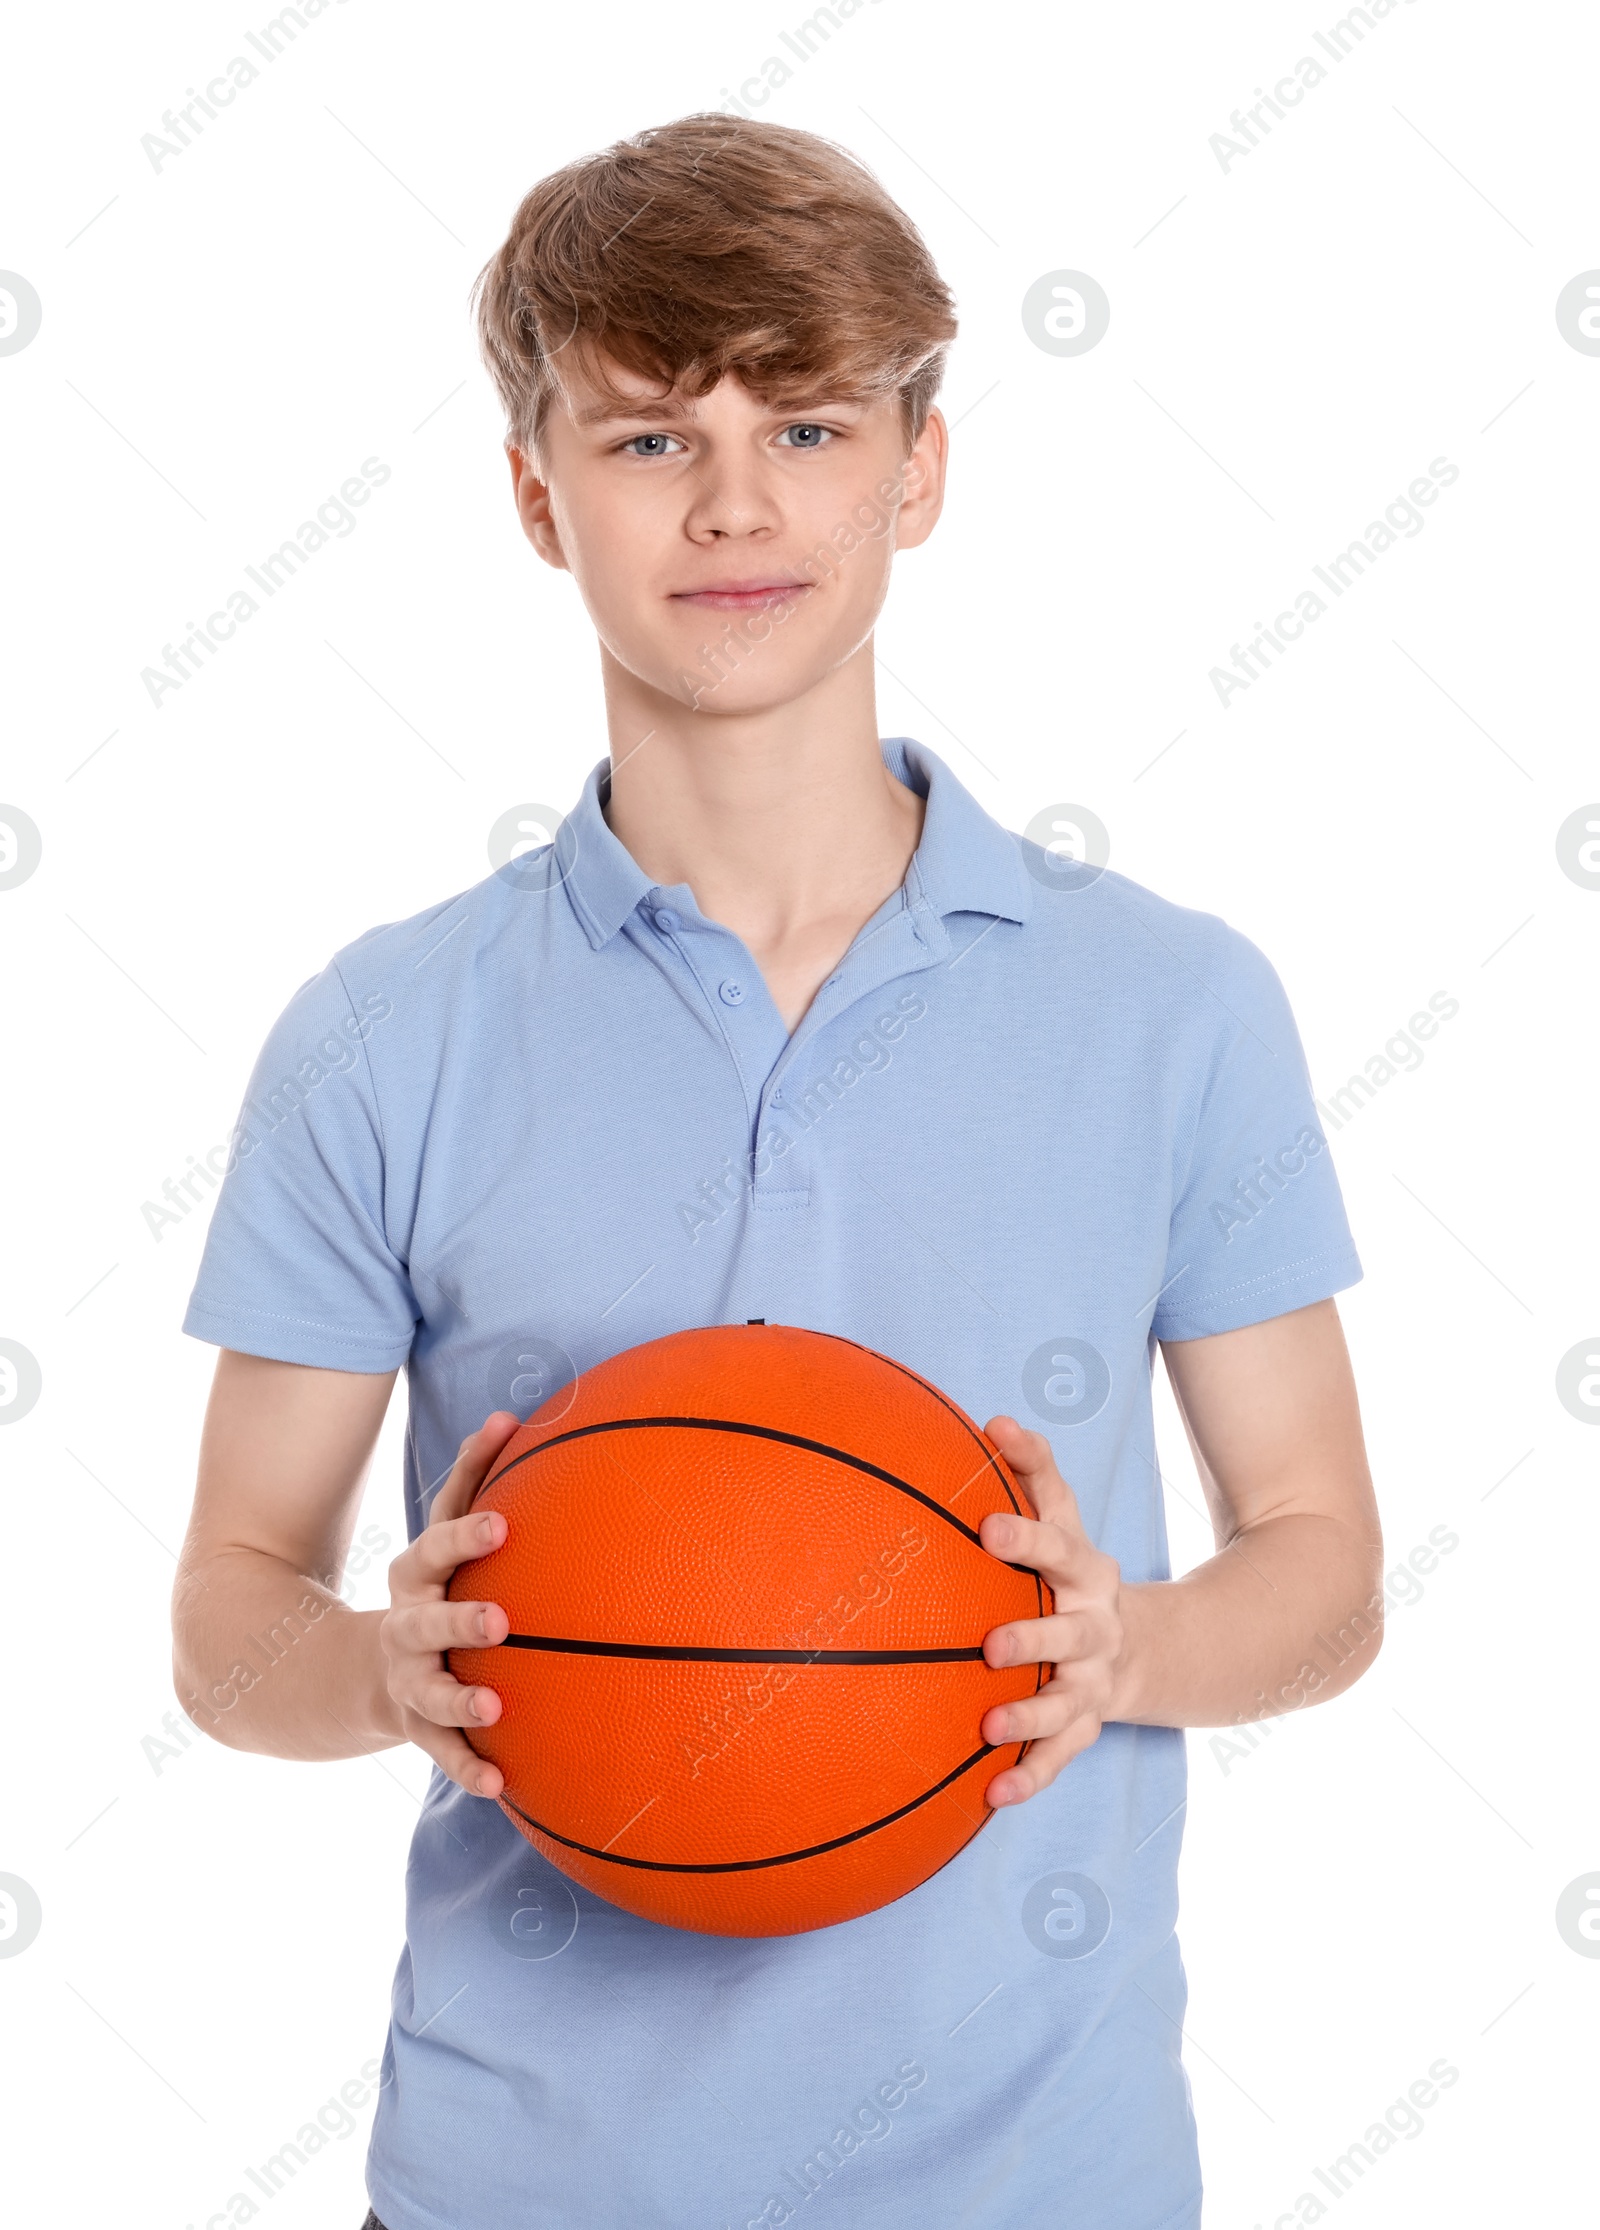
pixel 1083 1640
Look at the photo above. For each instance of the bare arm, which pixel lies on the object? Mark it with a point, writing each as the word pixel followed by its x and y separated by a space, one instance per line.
pixel 265 1655
pixel 1275 1427
pixel 1288 1611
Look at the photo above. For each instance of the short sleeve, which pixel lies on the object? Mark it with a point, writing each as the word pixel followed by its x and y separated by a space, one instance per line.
pixel 1258 1226
pixel 297 1263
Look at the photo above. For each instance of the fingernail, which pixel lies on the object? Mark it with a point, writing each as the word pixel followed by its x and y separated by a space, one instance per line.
pixel 486 1531
pixel 483 1625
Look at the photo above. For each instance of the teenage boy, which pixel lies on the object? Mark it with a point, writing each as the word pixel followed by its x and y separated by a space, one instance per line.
pixel 782 1025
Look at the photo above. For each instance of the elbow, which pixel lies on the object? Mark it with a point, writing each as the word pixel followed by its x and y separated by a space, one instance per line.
pixel 1354 1642
pixel 205 1697
pixel 203 1701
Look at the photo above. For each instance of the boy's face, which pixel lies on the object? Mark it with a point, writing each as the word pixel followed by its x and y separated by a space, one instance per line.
pixel 730 554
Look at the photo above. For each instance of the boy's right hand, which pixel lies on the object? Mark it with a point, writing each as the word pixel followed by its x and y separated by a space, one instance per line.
pixel 421 1623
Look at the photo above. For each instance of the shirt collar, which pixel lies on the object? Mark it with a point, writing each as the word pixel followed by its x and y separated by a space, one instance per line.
pixel 965 863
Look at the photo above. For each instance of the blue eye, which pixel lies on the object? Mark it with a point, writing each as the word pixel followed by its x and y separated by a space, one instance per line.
pixel 807 435
pixel 630 444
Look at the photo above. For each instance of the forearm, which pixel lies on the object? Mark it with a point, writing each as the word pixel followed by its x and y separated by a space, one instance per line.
pixel 1288 1614
pixel 267 1659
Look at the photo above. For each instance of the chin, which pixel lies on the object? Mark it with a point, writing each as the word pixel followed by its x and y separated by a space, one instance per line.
pixel 739 697
pixel 736 677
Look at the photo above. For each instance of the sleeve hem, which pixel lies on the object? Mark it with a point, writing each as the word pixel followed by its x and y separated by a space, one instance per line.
pixel 286 1339
pixel 1292 1285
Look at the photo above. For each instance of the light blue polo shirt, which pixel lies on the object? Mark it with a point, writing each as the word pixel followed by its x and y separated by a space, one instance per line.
pixel 1038 1120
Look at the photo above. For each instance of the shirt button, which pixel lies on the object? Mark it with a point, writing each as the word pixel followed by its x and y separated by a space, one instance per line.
pixel 665 918
pixel 731 991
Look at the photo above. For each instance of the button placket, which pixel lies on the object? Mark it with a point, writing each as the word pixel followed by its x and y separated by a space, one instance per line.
pixel 736 1000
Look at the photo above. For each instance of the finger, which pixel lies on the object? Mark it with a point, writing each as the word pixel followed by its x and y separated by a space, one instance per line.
pixel 1077 1692
pixel 1056 1640
pixel 427 1629
pixel 455 1757
pixel 1034 1544
pixel 443 1701
pixel 1043 1762
pixel 422 1570
pixel 1032 1718
pixel 473 1459
pixel 1032 1461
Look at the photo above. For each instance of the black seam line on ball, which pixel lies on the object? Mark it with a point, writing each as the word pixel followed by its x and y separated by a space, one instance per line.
pixel 755 1865
pixel 753 1432
pixel 962 1419
pixel 679 1653
pixel 944 1401
pixel 968 1427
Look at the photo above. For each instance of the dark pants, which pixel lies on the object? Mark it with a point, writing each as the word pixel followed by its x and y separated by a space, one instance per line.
pixel 372 2222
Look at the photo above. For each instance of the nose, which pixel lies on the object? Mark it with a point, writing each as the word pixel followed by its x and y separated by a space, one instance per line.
pixel 734 493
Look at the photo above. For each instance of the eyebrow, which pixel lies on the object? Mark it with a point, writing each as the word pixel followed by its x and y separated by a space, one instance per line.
pixel 607 413
pixel 603 414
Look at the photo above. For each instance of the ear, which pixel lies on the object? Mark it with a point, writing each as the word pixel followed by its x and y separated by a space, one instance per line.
pixel 923 472
pixel 532 498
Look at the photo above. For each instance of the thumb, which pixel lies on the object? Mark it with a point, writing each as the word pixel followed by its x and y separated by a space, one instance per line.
pixel 473 1460
pixel 1032 1462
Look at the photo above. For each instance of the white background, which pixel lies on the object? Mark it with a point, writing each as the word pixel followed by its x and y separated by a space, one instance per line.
pixel 226 339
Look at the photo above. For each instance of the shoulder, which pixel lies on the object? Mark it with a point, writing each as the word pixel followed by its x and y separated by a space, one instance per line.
pixel 405 989
pixel 485 932
pixel 1138 943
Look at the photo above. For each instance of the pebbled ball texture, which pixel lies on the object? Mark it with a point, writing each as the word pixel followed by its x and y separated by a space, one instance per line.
pixel 744 1680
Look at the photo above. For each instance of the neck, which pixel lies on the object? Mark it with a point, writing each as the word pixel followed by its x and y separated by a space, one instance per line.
pixel 784 822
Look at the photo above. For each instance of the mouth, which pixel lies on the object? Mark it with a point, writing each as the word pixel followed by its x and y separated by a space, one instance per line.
pixel 742 596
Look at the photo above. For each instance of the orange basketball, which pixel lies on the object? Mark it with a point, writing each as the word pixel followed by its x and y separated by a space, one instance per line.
pixel 744 1678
